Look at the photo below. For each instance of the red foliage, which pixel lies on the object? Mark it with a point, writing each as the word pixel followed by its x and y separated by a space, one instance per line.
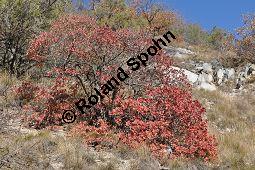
pixel 26 91
pixel 165 116
pixel 79 55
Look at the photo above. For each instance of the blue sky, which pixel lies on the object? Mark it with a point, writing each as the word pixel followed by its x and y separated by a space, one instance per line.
pixel 225 14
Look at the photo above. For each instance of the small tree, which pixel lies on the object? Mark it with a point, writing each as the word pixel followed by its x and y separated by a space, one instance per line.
pixel 216 38
pixel 22 20
pixel 116 14
pixel 246 44
pixel 195 35
pixel 157 19
pixel 79 54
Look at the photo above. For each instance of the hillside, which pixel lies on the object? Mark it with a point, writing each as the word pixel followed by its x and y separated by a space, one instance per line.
pixel 123 85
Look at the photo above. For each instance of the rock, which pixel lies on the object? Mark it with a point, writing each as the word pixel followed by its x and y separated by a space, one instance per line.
pixel 170 50
pixel 251 69
pixel 209 78
pixel 207 68
pixel 178 52
pixel 169 150
pixel 192 77
pixel 239 83
pixel 28 131
pixel 199 69
pixel 204 67
pixel 222 75
pixel 230 73
pixel 203 77
pixel 207 86
pixel 246 72
pixel 185 51
pixel 204 81
pixel 219 76
pixel 179 55
pixel 216 65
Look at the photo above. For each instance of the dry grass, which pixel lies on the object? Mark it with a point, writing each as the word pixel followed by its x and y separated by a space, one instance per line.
pixel 232 121
pixel 7 97
pixel 7 100
pixel 251 80
pixel 143 160
pixel 205 54
pixel 45 151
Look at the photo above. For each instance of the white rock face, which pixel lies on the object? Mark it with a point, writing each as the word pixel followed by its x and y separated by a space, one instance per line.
pixel 207 68
pixel 252 69
pixel 209 78
pixel 179 55
pixel 185 51
pixel 204 81
pixel 230 73
pixel 220 75
pixel 223 75
pixel 211 74
pixel 199 68
pixel 203 77
pixel 207 86
pixel 247 71
pixel 178 52
pixel 192 77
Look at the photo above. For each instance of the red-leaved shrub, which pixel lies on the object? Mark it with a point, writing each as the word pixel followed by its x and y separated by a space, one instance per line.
pixel 154 106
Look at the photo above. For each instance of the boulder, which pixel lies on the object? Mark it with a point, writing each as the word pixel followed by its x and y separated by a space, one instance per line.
pixel 230 73
pixel 220 76
pixel 179 55
pixel 199 69
pixel 207 68
pixel 185 51
pixel 207 86
pixel 208 78
pixel 203 77
pixel 178 52
pixel 246 72
pixel 216 65
pixel 192 77
pixel 204 81
pixel 251 69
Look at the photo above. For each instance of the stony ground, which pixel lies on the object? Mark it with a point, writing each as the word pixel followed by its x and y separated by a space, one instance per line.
pixel 230 113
